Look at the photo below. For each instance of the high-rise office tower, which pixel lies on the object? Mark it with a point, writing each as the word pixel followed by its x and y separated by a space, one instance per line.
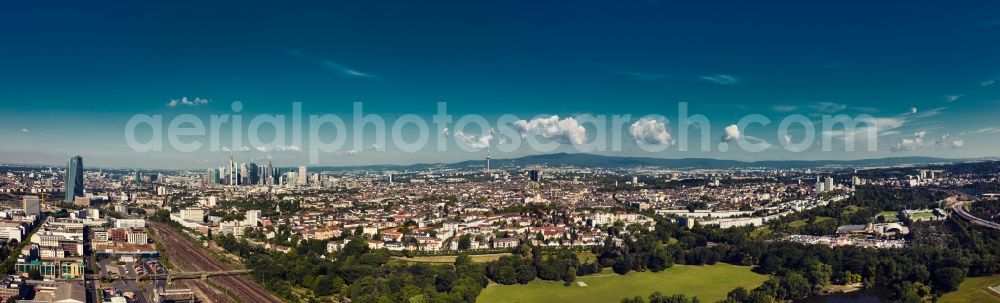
pixel 31 206
pixel 303 175
pixel 74 179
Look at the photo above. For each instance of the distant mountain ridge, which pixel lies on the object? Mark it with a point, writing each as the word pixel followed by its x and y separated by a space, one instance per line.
pixel 601 161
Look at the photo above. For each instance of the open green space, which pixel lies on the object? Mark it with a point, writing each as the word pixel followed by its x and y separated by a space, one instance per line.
pixel 709 283
pixel 974 290
pixel 890 216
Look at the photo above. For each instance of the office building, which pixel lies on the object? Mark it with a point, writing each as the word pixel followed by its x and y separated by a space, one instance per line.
pixel 31 206
pixel 74 179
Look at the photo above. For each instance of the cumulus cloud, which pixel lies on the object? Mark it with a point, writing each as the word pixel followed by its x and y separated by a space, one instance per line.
pixel 25 130
pixel 732 132
pixel 957 143
pixel 953 98
pixel 721 79
pixel 566 130
pixel 911 143
pixel 261 149
pixel 650 131
pixel 473 141
pixel 188 102
pixel 943 141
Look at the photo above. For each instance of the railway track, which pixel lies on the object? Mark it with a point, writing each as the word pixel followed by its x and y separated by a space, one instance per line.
pixel 189 257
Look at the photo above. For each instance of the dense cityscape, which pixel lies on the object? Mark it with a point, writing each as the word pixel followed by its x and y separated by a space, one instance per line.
pixel 249 233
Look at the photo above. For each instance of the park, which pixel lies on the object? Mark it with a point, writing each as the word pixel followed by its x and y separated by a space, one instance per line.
pixel 709 283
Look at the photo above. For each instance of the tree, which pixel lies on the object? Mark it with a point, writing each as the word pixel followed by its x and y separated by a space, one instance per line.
pixel 34 274
pixel 569 276
pixel 622 266
pixel 322 286
pixel 464 242
pixel 526 273
pixel 798 287
pixel 947 279
pixel 819 275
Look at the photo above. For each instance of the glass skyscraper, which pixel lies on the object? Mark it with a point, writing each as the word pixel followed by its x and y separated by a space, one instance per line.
pixel 74 179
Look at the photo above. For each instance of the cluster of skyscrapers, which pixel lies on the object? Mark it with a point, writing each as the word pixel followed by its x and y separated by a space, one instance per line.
pixel 250 173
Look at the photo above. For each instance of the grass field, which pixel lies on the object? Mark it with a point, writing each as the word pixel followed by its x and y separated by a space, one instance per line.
pixel 709 283
pixel 973 290
pixel 890 216
pixel 763 231
pixel 451 259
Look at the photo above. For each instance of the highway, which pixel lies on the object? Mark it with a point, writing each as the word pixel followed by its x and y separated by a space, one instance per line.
pixel 187 256
pixel 959 208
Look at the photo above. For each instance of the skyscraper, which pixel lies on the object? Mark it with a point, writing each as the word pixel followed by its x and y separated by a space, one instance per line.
pixel 303 175
pixel 74 179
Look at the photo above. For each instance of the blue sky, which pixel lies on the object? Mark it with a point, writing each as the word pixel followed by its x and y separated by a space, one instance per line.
pixel 73 73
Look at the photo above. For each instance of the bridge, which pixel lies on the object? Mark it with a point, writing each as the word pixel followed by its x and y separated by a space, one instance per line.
pixel 173 276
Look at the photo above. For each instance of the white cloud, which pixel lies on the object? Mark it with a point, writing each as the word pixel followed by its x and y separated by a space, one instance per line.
pixel 721 79
pixel 882 127
pixel 957 143
pixel 911 143
pixel 293 148
pixel 473 141
pixel 564 131
pixel 943 141
pixel 333 65
pixel 985 130
pixel 987 83
pixel 353 152
pixel 913 110
pixel 828 107
pixel 953 98
pixel 641 76
pixel 25 130
pixel 261 149
pixel 732 132
pixel 188 102
pixel 650 131
pixel 374 147
pixel 784 108
pixel 445 132
pixel 329 64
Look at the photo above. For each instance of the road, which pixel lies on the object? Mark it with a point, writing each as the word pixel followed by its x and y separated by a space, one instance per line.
pixel 959 208
pixel 187 256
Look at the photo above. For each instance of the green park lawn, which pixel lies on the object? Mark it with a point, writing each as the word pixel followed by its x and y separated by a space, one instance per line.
pixel 709 283
pixel 890 216
pixel 973 290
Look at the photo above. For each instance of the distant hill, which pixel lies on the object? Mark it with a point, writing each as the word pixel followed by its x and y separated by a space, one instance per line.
pixel 600 161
